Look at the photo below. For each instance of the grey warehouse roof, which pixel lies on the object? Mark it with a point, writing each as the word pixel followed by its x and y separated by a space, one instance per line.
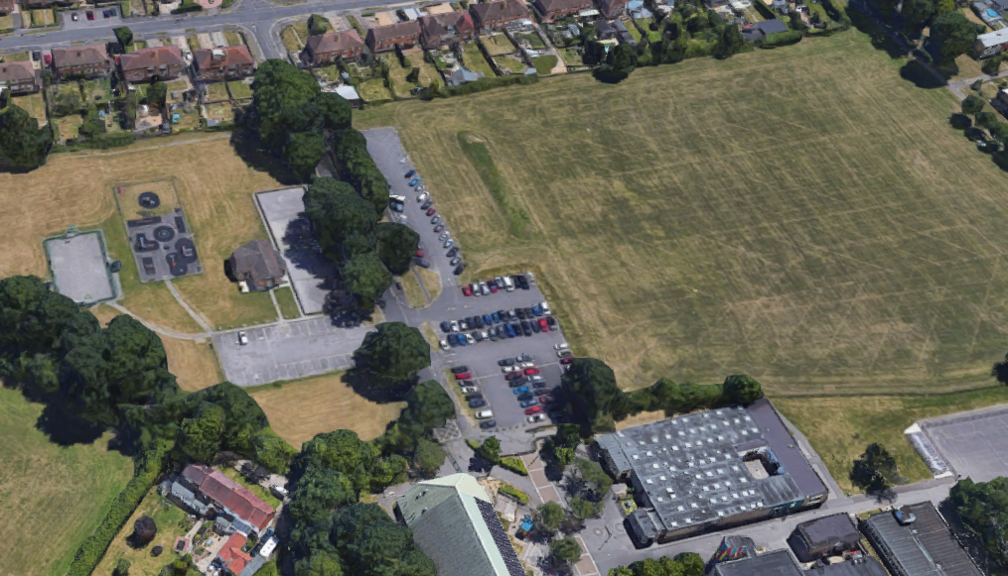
pixel 692 471
pixel 827 530
pixel 924 548
pixel 787 451
pixel 866 566
pixel 776 563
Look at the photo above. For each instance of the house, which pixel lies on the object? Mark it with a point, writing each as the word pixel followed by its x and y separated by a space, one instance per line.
pixel 494 15
pixel 385 38
pixel 19 77
pixel 622 33
pixel 257 265
pixel 204 490
pixel 88 61
pixel 760 30
pixel 37 4
pixel 146 64
pixel 219 64
pixel 462 76
pixel 986 12
pixel 551 10
pixel 991 43
pixel 612 8
pixel 919 543
pixel 326 48
pixel 6 7
pixel 446 29
pixel 827 536
pixel 456 510
pixel 231 556
pixel 748 464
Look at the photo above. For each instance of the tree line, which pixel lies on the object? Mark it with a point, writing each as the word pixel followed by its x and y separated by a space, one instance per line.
pixel 597 402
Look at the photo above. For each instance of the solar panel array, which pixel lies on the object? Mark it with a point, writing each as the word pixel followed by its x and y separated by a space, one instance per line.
pixel 500 538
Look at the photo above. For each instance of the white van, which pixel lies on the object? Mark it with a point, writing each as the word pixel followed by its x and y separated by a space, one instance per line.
pixel 484 414
pixel 397 198
pixel 509 284
pixel 278 491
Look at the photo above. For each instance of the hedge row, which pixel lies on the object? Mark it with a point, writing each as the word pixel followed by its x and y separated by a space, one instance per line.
pixel 782 39
pixel 148 469
pixel 513 464
pixel 484 84
pixel 516 494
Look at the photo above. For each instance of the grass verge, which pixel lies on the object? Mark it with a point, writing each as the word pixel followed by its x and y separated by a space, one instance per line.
pixel 288 305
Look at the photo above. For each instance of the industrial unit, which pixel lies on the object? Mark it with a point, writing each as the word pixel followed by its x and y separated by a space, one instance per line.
pixel 709 470
pixel 914 540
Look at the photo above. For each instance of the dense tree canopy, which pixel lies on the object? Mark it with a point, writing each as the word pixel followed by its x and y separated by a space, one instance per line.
pixel 741 389
pixel 565 551
pixel 23 145
pixel 317 24
pixel 954 35
pixel 124 35
pixel 302 153
pixel 372 544
pixel 278 85
pixel 875 471
pixel 351 151
pixel 684 564
pixel 549 516
pixel 337 213
pixel 590 386
pixel 394 351
pixel 396 244
pixel 367 278
pixel 983 509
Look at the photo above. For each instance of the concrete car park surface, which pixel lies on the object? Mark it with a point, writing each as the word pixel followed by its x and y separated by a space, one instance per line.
pixel 971 442
pixel 287 351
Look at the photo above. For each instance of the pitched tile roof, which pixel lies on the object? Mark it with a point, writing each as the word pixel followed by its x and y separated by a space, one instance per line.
pixel 342 41
pixel 234 55
pixel 6 6
pixel 562 5
pixel 16 71
pixel 440 24
pixel 259 259
pixel 235 497
pixel 500 10
pixel 231 554
pixel 152 57
pixel 80 55
pixel 385 33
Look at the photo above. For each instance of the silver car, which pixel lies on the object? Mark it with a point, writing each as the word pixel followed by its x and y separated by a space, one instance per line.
pixel 421 197
pixel 444 235
pixel 448 244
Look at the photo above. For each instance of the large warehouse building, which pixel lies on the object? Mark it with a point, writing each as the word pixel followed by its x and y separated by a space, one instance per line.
pixel 919 543
pixel 709 470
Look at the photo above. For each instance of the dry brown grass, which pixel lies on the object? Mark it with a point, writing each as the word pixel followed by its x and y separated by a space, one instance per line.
pixel 214 185
pixel 808 225
pixel 299 410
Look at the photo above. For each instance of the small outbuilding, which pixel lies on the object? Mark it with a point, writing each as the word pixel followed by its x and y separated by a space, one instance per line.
pixel 256 266
pixel 827 536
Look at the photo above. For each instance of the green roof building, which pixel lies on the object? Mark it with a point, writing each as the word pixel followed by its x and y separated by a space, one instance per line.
pixel 454 523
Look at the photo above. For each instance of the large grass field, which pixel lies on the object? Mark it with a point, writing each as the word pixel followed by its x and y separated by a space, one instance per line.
pixel 214 185
pixel 840 428
pixel 803 215
pixel 299 410
pixel 52 496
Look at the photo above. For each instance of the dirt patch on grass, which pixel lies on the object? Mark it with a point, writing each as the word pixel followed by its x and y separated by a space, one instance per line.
pixel 299 410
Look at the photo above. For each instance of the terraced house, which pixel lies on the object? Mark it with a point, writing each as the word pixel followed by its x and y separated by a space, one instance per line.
pixel 147 64
pixel 6 7
pixel 222 64
pixel 552 10
pixel 87 61
pixel 446 29
pixel 612 8
pixel 19 77
pixel 495 15
pixel 326 48
pixel 385 38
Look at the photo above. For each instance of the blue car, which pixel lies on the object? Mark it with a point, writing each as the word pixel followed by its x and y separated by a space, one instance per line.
pixel 411 174
pixel 445 327
pixel 537 311
pixel 487 319
pixel 527 403
pixel 521 390
pixel 495 317
pixel 509 330
pixel 415 181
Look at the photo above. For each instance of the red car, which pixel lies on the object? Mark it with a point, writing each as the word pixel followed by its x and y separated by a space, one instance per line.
pixel 546 398
pixel 492 285
pixel 544 325
pixel 420 254
pixel 533 410
pixel 531 371
pixel 463 376
pixel 431 211
pixel 466 290
pixel 566 359
pixel 47 59
pixel 90 15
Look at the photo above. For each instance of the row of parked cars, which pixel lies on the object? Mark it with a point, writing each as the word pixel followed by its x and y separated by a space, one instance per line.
pixel 398 203
pixel 495 284
pixel 498 325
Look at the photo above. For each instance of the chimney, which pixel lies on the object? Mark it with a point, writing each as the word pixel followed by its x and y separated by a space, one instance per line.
pixel 218 55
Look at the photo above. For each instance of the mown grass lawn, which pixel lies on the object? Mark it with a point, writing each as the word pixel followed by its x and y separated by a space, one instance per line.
pixel 815 230
pixel 475 61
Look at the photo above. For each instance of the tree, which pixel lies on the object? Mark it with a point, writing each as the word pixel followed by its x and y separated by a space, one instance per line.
pixel 279 84
pixel 335 110
pixel 691 562
pixel 395 351
pixel 729 42
pixel 943 7
pixel 428 457
pixel 124 35
pixel 887 8
pixel 917 14
pixel 490 449
pixel 273 452
pixel 590 386
pixel 565 551
pixel 999 131
pixel 986 119
pixel 367 278
pixel 318 25
pixel 972 105
pixel 983 509
pixel 337 213
pixel 303 152
pixel 396 245
pixel 992 65
pixel 200 436
pixel 122 568
pixel 318 564
pixel 342 451
pixel 371 544
pixel 583 509
pixel 592 473
pixel 414 76
pixel 1000 371
pixel 157 93
pixel 875 471
pixel 23 145
pixel 428 406
pixel 954 35
pixel 741 389
pixel 550 515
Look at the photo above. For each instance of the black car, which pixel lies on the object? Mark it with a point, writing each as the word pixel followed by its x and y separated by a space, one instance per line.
pixel 421 262
pixel 439 228
pixel 520 313
pixel 501 333
pixel 538 384
pixel 446 327
pixel 474 396
pixel 478 320
pixel 481 403
pixel 551 321
pixel 518 382
pixel 505 362
pixel 427 204
pixel 410 174
pixel 459 369
pixel 477 336
pixel 467 383
pixel 522 282
pixel 488 424
pixel 453 252
pixel 525 396
pixel 516 327
pixel 529 313
pixel 459 269
pixel 536 328
pixel 525 325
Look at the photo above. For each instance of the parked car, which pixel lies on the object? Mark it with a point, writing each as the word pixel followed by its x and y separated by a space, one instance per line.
pixel 513 375
pixel 453 252
pixel 410 174
pixel 531 371
pixel 524 396
pixel 463 325
pixel 495 317
pixel 477 403
pixel 520 313
pixel 524 358
pixel 561 346
pixel 478 336
pixel 566 360
pixel 444 344
pixel 444 235
pixel 105 14
pixel 459 270
pixel 421 262
pixel 454 326
pixel 543 325
pixel 521 390
pixel 435 219
pixel 546 398
pixel 487 320
pixel 533 410
pixel 535 418
pixel 242 339
pixel 539 384
pixel 113 11
pixel 484 288
pixel 488 423
pixel 463 376
pixel 454 261
pixel 446 327
pixel 89 14
pixel 536 378
pixel 438 228
pixel 484 414
pixel 492 286
pixel 545 307
pixel 467 389
pixel 536 328
pixel 518 382
pixel 552 322
pixel 470 339
pixel 505 362
pixel 431 211
pixel 459 369
pixel 564 352
pixel 397 206
pixel 527 403
pixel 509 331
pixel 427 204
pixel 415 181
pixel 36 56
pixel 422 196
pixel 72 17
pixel 449 243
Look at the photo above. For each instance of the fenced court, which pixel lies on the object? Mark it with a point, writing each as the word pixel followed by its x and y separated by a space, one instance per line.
pixel 78 263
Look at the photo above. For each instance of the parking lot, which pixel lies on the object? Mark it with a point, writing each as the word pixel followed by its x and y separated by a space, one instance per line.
pixel 971 442
pixel 287 351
